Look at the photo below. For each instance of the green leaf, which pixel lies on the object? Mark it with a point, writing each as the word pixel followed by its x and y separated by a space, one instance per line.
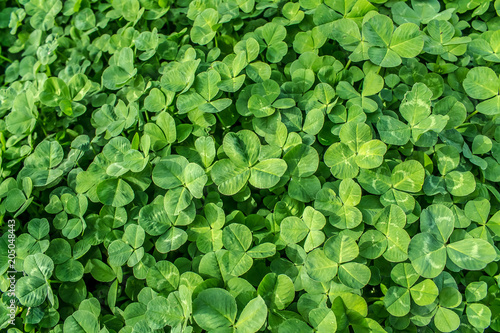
pixel 424 293
pixel 81 321
pixel 371 154
pixel 229 177
pixel 165 311
pixel 393 131
pixel 476 291
pixel 416 105
pixel 314 122
pixel 169 172
pixel 397 301
pixel 427 255
pixel 479 315
pixel 242 148
pixel 102 272
pixel 205 147
pixel 70 271
pixel 31 290
pixel 471 254
pixel 448 158
pixel 277 291
pixel 119 252
pixel 404 275
pixel 407 40
pixel 481 145
pixel 134 235
pixel 293 230
pixel 460 183
pixel 408 176
pixel 195 179
pixel 439 221
pixel 205 26
pixel 341 249
pixel 481 83
pixel 354 275
pixel 450 297
pixel 267 173
pixel 341 159
pixel 446 320
pixel 39 265
pixel 372 244
pixel 346 32
pixel 354 135
pixel 214 308
pixel 115 192
pixel 384 57
pixel 163 277
pixel 323 319
pixel 302 161
pixel 319 267
pixel 252 317
pixel 378 30
pixel 349 192
pixel 478 210
pixel 490 107
pixel 237 237
pixel 372 84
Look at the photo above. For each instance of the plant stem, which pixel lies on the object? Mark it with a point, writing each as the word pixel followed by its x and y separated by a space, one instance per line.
pixel 471 115
pixel 6 59
pixel 347 65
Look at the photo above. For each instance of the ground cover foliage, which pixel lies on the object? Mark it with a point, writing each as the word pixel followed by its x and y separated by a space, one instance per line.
pixel 250 165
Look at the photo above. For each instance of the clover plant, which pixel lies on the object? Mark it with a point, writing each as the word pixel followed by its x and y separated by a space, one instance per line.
pixel 284 166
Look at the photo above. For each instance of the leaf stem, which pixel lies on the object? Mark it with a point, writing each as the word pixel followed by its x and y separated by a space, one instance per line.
pixel 471 115
pixel 373 299
pixel 348 64
pixel 6 59
pixel 220 119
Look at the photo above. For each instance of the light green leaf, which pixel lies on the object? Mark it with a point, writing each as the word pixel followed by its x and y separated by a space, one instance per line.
pixel 408 176
pixel 479 315
pixel 341 248
pixel 407 40
pixel 252 317
pixel 293 229
pixel 371 154
pixel 460 183
pixel 242 148
pixel 319 267
pixel 397 301
pixel 354 275
pixel 214 308
pixel 378 30
pixel 427 255
pixel 393 131
pixel 481 83
pixel 471 254
pixel 267 173
pixel 438 220
pixel 205 26
pixel 424 293
pixel 416 105
pixel 229 177
pixel 115 192
pixel 446 320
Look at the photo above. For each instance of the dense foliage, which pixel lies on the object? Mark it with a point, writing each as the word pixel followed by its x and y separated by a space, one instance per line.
pixel 250 165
